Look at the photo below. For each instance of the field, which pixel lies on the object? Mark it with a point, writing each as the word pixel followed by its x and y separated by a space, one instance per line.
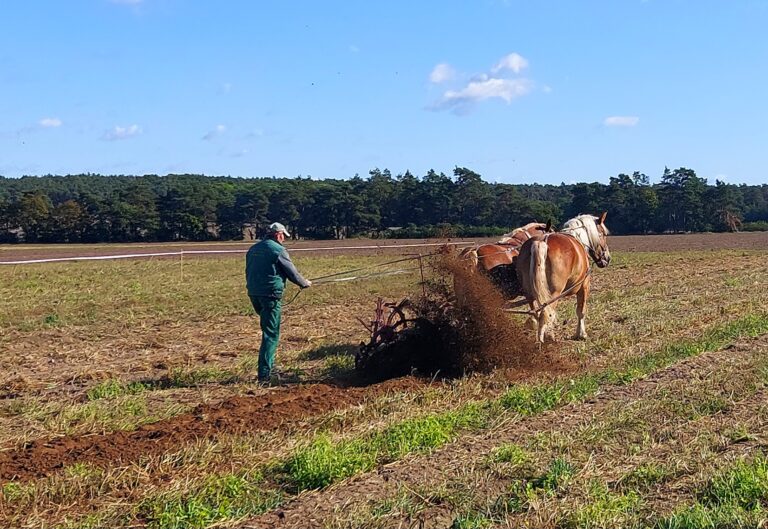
pixel 128 398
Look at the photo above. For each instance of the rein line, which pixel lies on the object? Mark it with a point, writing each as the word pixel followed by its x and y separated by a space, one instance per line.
pixel 327 279
pixel 536 312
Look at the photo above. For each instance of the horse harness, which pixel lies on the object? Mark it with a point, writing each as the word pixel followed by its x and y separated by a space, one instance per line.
pixel 509 247
pixel 588 246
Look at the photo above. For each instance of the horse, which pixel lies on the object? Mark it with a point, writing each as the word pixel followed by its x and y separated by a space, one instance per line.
pixel 556 265
pixel 498 260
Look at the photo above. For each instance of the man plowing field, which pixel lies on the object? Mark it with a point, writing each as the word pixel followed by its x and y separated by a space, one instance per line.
pixel 267 266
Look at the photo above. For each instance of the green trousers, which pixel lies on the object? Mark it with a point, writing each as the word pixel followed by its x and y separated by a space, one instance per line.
pixel 269 310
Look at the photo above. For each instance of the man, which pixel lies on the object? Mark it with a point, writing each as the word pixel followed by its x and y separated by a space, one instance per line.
pixel 267 266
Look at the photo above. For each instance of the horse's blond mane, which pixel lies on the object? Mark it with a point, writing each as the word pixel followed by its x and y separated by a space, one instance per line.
pixel 589 234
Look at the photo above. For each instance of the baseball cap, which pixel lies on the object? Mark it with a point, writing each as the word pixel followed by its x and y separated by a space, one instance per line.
pixel 276 227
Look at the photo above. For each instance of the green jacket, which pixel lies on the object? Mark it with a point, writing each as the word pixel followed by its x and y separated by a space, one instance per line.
pixel 267 266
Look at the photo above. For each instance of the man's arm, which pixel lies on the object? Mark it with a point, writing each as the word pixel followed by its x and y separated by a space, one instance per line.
pixel 291 273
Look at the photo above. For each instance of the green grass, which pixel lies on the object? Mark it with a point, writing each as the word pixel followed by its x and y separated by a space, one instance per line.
pixel 472 521
pixel 605 508
pixel 526 488
pixel 736 497
pixel 510 453
pixel 556 478
pixel 323 461
pixel 219 498
pixel 338 365
pixel 113 388
pixel 533 399
pixel 744 485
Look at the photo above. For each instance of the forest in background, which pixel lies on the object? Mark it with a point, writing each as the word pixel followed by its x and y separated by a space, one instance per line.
pixel 92 208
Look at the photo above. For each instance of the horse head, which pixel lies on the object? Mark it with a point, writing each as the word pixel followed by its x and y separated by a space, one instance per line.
pixel 593 234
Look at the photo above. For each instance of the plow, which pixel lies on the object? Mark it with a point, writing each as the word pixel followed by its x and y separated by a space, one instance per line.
pixel 400 344
pixel 388 320
pixel 386 327
pixel 443 332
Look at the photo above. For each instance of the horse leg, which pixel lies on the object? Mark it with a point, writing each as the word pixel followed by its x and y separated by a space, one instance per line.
pixel 551 318
pixel 542 326
pixel 547 318
pixel 581 310
pixel 532 322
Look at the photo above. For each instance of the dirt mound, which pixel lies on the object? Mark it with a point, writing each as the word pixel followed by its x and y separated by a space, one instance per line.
pixel 459 327
pixel 263 412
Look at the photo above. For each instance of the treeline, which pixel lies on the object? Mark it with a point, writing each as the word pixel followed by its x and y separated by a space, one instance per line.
pixel 94 208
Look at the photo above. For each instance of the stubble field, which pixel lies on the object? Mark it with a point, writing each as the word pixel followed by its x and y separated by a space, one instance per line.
pixel 128 398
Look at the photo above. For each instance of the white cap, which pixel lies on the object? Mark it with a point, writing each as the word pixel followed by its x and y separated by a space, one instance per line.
pixel 276 227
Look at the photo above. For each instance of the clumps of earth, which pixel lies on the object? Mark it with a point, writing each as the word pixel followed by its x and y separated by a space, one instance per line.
pixel 456 326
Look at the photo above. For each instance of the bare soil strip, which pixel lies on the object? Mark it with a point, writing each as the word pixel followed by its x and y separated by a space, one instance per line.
pixel 268 410
pixel 444 465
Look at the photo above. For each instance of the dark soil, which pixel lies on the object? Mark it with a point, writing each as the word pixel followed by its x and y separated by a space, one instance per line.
pixel 268 410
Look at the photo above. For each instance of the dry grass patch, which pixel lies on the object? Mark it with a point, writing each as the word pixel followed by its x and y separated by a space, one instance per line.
pixel 136 341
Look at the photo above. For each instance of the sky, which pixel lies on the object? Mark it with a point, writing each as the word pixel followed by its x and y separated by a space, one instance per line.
pixel 544 91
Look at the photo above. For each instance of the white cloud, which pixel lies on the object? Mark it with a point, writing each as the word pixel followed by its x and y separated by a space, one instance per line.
pixel 215 133
pixel 513 62
pixel 505 89
pixel 621 121
pixel 354 48
pixel 503 82
pixel 48 123
pixel 127 2
pixel 226 88
pixel 122 133
pixel 441 73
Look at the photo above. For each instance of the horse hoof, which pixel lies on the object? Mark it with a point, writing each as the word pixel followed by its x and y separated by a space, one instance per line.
pixel 580 337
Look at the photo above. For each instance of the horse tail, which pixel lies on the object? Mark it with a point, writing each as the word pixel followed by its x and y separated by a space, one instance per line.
pixel 539 272
pixel 541 292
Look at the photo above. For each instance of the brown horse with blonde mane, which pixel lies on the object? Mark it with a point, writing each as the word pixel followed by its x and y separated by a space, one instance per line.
pixel 498 260
pixel 553 266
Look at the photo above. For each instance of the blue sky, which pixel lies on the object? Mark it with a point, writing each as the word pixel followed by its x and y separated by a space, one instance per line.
pixel 520 91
